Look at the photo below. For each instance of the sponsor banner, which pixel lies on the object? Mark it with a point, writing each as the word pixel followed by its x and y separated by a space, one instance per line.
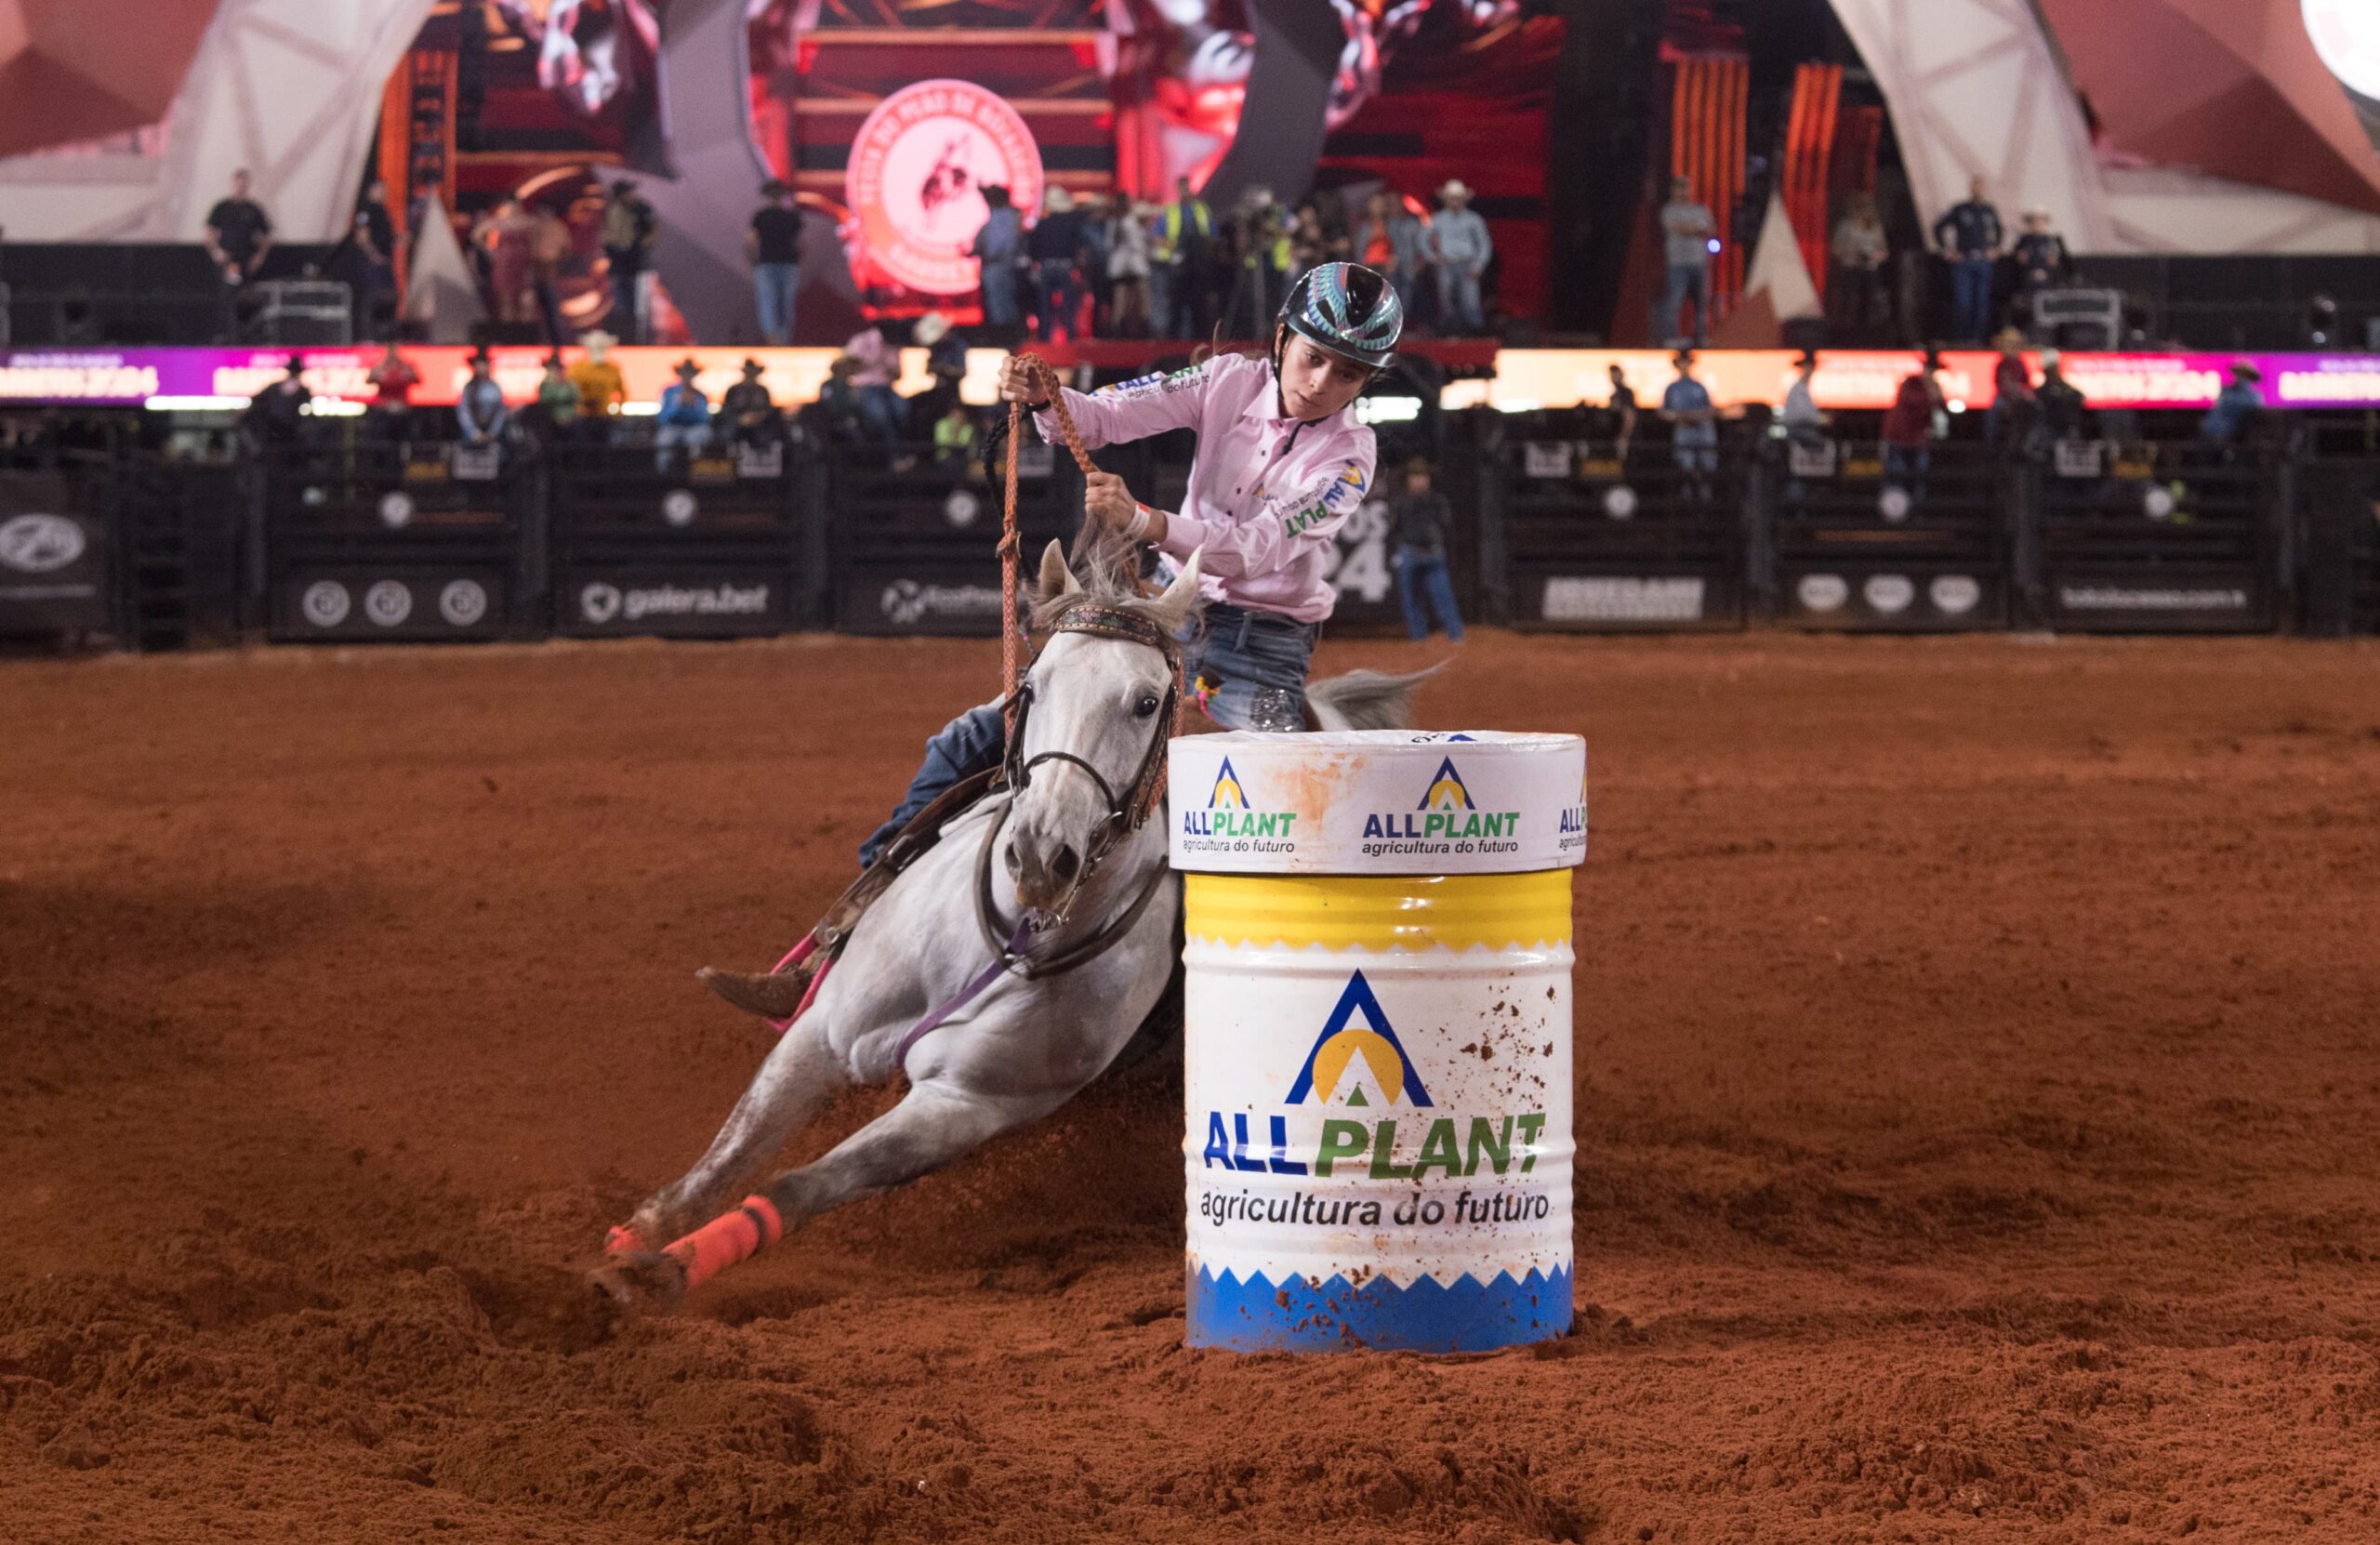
pixel 2161 600
pixel 891 596
pixel 1891 598
pixel 914 178
pixel 1383 1124
pixel 1846 379
pixel 1377 802
pixel 1363 572
pixel 675 602
pixel 54 570
pixel 1624 601
pixel 348 602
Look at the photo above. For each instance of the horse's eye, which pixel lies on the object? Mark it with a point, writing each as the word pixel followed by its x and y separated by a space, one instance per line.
pixel 1147 706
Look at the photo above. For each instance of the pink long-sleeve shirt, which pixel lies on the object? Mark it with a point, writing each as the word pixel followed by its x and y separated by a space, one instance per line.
pixel 1266 494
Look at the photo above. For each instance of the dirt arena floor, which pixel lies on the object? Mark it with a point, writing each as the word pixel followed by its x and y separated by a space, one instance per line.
pixel 1978 1121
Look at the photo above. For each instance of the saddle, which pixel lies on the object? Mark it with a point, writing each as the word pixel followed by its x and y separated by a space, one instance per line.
pixel 784 993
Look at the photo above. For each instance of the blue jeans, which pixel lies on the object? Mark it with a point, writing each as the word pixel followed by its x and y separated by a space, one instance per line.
pixel 695 437
pixel 886 413
pixel 623 318
pixel 1971 299
pixel 772 286
pixel 1905 469
pixel 999 293
pixel 1686 282
pixel 1254 662
pixel 1061 297
pixel 1423 585
pixel 1458 300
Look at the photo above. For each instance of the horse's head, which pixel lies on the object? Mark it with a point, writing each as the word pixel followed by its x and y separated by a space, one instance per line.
pixel 1099 708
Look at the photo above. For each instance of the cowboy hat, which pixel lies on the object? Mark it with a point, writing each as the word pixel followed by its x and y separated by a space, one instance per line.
pixel 930 329
pixel 2010 339
pixel 1454 188
pixel 1057 201
pixel 685 367
pixel 752 366
pixel 2246 370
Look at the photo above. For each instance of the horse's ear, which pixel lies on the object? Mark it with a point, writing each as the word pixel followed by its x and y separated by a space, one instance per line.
pixel 1057 579
pixel 1181 598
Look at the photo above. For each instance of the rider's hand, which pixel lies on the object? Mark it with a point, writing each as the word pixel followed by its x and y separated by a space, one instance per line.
pixel 1016 385
pixel 1106 500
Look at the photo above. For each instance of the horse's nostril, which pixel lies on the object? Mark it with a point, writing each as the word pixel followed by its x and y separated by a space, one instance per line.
pixel 1015 864
pixel 1066 864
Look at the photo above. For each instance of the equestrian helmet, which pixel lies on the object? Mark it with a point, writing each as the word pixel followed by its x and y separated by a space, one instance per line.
pixel 1347 309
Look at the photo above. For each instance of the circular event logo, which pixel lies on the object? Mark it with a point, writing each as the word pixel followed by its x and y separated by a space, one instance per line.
pixel 396 508
pixel 1619 502
pixel 2346 34
pixel 599 603
pixel 1822 592
pixel 388 603
pixel 678 507
pixel 463 603
pixel 916 175
pixel 961 508
pixel 1889 593
pixel 40 544
pixel 1955 594
pixel 325 603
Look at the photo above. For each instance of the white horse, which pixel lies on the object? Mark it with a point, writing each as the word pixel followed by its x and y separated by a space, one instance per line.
pixel 1026 1045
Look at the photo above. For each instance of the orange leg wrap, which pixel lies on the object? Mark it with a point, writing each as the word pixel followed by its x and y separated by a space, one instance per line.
pixel 727 1239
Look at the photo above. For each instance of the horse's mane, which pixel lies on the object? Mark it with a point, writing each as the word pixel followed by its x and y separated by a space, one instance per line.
pixel 1107 567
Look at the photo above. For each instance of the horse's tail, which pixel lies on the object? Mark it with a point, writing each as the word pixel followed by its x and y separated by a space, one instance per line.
pixel 1368 699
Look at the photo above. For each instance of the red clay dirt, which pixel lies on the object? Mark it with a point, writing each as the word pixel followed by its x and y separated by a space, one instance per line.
pixel 1978 1121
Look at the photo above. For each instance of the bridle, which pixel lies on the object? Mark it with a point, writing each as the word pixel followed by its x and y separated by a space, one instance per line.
pixel 1127 812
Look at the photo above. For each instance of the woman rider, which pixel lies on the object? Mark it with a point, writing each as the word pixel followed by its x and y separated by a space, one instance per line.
pixel 1281 464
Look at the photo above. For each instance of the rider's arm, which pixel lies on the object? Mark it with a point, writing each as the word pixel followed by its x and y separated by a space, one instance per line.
pixel 1282 528
pixel 1132 410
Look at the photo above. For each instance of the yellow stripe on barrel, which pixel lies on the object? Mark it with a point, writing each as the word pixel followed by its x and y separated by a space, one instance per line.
pixel 1379 912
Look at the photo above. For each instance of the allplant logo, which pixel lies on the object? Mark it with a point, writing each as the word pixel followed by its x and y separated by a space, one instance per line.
pixel 1446 820
pixel 1227 824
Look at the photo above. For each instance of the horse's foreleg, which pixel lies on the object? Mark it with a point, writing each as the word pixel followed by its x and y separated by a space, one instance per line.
pixel 935 1123
pixel 795 1082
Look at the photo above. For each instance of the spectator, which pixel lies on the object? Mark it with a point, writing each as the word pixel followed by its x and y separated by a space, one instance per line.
pixel 602 391
pixel 1459 246
pixel 945 362
pixel 550 247
pixel 1055 246
pixel 1804 425
pixel 773 244
pixel 277 415
pixel 1622 409
pixel 1970 237
pixel 1909 427
pixel 876 365
pixel 2062 406
pixel 1260 244
pixel 503 234
pixel 1688 227
pixel 1128 269
pixel 557 402
pixel 1855 290
pixel 629 229
pixel 393 378
pixel 1180 259
pixel 373 239
pixel 1694 428
pixel 1388 240
pixel 999 245
pixel 239 232
pixel 750 412
pixel 2042 261
pixel 839 403
pixel 1418 517
pixel 1309 243
pixel 954 436
pixel 684 418
pixel 480 412
pixel 1092 265
pixel 2012 403
pixel 2237 406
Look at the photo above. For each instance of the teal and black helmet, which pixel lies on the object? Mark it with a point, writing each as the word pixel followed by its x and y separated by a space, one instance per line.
pixel 1347 309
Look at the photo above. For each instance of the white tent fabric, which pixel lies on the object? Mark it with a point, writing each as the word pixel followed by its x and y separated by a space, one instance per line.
pixel 1778 267
pixel 441 291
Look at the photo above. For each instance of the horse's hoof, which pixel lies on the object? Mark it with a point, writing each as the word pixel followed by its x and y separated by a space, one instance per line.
pixel 643 1281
